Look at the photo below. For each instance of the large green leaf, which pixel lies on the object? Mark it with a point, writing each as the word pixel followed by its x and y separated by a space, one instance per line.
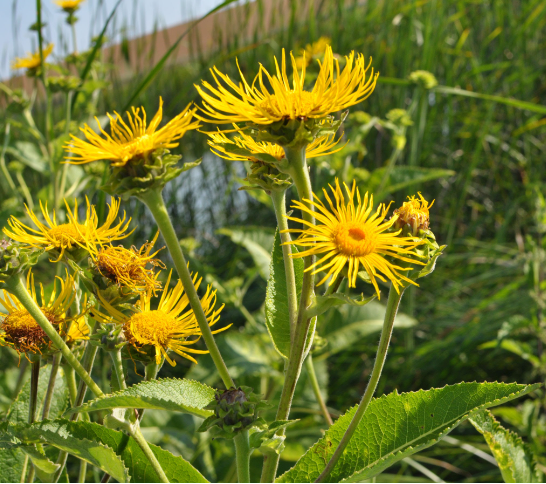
pixel 12 461
pixel 276 300
pixel 45 469
pixel 18 412
pixel 58 433
pixel 258 242
pixel 178 395
pixel 396 426
pixel 516 460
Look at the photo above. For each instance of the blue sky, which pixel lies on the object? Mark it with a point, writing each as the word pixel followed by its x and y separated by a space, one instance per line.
pixel 136 17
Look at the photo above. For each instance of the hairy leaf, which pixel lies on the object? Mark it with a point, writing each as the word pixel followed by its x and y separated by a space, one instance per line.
pixel 396 426
pixel 276 300
pixel 12 461
pixel 516 460
pixel 178 395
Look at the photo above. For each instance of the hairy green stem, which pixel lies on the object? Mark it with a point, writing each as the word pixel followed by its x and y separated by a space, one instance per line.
pixel 299 172
pixel 118 368
pixel 316 389
pixel 17 287
pixel 51 385
pixel 278 197
pixel 392 308
pixel 34 379
pixel 70 377
pixel 153 199
pixel 141 441
pixel 242 447
pixel 83 471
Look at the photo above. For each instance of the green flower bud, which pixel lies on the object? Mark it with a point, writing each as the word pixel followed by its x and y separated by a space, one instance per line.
pixel 423 78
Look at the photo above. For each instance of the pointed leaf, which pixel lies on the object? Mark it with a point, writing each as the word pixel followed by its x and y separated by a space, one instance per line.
pixel 516 460
pixel 276 300
pixel 178 395
pixel 45 469
pixel 396 426
pixel 58 434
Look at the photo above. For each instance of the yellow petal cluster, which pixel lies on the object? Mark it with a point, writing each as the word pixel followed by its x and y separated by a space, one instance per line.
pixel 415 213
pixel 69 6
pixel 129 141
pixel 74 234
pixel 31 61
pixel 20 330
pixel 312 51
pixel 272 98
pixel 220 146
pixel 168 327
pixel 353 237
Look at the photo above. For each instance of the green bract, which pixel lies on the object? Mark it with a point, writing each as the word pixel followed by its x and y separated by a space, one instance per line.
pixel 16 258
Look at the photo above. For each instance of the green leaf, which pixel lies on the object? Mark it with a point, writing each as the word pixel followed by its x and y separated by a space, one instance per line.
pixel 29 154
pixel 11 464
pixel 178 395
pixel 58 434
pixel 349 324
pixel 520 348
pixel 18 412
pixel 45 469
pixel 276 299
pixel 431 264
pixel 396 426
pixel 176 468
pixel 257 240
pixel 516 460
pixel 321 304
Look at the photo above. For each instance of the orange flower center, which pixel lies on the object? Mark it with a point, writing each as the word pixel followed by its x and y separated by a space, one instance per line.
pixel 150 328
pixel 354 239
pixel 22 330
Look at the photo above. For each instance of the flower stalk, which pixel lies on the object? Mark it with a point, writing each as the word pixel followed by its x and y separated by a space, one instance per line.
pixel 243 453
pixel 17 287
pixel 316 389
pixel 153 199
pixel 299 172
pixel 392 308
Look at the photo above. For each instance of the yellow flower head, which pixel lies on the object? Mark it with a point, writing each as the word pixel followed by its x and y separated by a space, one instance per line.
pixel 321 146
pixel 312 51
pixel 351 235
pixel 414 213
pixel 74 234
pixel 168 327
pixel 20 330
pixel 333 91
pixel 31 61
pixel 132 141
pixel 69 6
pixel 128 267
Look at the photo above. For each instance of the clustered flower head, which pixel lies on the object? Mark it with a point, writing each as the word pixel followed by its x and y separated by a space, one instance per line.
pixel 270 98
pixel 20 331
pixel 129 141
pixel 31 61
pixel 67 238
pixel 226 148
pixel 348 236
pixel 172 326
pixel 413 213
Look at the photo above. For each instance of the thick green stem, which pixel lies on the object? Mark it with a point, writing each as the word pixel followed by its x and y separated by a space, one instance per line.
pixel 278 198
pixel 70 377
pixel 34 379
pixel 299 172
pixel 141 441
pixel 51 385
pixel 83 471
pixel 386 333
pixel 153 199
pixel 17 288
pixel 118 368
pixel 316 389
pixel 243 456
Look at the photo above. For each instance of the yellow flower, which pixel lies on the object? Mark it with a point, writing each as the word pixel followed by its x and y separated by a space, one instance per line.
pixel 414 213
pixel 128 142
pixel 31 61
pixel 350 235
pixel 21 331
pixel 312 51
pixel 71 235
pixel 127 267
pixel 333 91
pixel 169 326
pixel 321 146
pixel 79 330
pixel 69 6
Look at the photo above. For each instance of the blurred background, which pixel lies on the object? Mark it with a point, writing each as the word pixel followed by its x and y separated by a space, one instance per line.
pixel 458 114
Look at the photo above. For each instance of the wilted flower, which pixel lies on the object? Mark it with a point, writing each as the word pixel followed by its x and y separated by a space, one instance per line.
pixel 414 213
